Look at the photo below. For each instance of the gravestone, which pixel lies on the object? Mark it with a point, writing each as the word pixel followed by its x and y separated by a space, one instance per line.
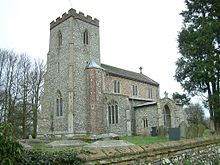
pixel 174 134
pixel 183 129
pixel 154 131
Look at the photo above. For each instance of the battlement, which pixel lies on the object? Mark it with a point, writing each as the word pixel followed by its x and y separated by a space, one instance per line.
pixel 72 13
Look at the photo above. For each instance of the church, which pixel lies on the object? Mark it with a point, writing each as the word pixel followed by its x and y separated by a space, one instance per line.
pixel 84 96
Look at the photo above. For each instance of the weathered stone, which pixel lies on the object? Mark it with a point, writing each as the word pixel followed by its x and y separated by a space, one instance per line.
pixel 80 94
pixel 109 143
pixel 183 129
pixel 66 143
pixel 202 151
pixel 136 149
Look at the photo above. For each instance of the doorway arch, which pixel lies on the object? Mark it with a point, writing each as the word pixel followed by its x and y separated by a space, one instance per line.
pixel 167 116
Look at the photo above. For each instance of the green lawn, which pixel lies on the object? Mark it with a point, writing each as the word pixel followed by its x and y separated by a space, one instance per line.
pixel 139 140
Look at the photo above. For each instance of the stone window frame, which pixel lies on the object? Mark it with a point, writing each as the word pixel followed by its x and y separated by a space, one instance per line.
pixel 113 112
pixel 58 67
pixel 59 104
pixel 145 122
pixel 134 90
pixel 60 38
pixel 116 86
pixel 150 93
pixel 167 116
pixel 86 37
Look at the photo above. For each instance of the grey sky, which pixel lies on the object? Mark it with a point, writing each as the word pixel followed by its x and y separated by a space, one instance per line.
pixel 133 33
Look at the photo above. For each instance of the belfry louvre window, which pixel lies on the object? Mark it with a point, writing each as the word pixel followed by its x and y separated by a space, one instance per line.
pixel 113 113
pixel 59 104
pixel 86 37
pixel 116 86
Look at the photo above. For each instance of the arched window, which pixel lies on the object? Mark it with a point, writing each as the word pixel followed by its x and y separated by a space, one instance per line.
pixel 86 37
pixel 60 40
pixel 145 122
pixel 59 104
pixel 135 91
pixel 167 116
pixel 113 113
pixel 116 86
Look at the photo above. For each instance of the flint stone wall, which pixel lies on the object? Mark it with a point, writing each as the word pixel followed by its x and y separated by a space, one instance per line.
pixel 196 151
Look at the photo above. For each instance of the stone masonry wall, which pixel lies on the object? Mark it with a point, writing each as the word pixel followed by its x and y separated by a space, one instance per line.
pixel 57 71
pixel 126 87
pixel 176 111
pixel 194 151
pixel 66 72
pixel 150 113
pixel 95 105
pixel 82 54
pixel 123 126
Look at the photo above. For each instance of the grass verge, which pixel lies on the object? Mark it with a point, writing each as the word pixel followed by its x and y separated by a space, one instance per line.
pixel 139 140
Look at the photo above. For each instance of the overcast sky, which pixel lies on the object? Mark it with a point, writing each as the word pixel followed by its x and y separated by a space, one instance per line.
pixel 133 33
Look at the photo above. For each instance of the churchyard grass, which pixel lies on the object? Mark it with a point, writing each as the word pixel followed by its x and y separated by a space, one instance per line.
pixel 139 140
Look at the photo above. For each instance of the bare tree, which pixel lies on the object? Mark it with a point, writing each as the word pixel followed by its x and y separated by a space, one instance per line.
pixel 24 66
pixel 9 96
pixel 21 85
pixel 37 80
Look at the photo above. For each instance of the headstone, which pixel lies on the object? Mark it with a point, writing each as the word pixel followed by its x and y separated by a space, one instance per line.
pixel 29 137
pixel 174 134
pixel 154 131
pixel 183 129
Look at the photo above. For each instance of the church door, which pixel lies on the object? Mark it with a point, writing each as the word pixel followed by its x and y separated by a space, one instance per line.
pixel 167 116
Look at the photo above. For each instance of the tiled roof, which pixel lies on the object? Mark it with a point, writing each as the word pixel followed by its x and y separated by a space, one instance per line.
pixel 145 104
pixel 128 74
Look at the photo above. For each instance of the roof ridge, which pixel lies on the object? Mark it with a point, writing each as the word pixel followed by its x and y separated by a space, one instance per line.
pixel 129 74
pixel 121 69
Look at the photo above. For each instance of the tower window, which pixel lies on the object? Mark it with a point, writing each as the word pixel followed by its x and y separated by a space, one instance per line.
pixel 116 86
pixel 59 102
pixel 60 40
pixel 86 37
pixel 58 67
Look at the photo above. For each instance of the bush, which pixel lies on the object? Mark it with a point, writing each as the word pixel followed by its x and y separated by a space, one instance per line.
pixel 10 150
pixel 195 131
pixel 192 132
pixel 53 158
pixel 201 129
pixel 162 131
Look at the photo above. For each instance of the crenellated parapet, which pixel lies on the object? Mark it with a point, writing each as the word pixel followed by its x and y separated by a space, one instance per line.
pixel 72 13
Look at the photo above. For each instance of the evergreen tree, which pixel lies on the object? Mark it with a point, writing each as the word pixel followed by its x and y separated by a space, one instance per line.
pixel 198 68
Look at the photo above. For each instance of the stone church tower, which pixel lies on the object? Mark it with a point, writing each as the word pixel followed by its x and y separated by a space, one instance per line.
pixel 74 43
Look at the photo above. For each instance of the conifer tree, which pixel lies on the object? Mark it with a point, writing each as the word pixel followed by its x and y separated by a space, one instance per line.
pixel 198 68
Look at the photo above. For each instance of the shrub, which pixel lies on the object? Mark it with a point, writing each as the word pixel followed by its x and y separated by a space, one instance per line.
pixel 201 129
pixel 162 131
pixel 192 132
pixel 195 131
pixel 10 150
pixel 53 158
